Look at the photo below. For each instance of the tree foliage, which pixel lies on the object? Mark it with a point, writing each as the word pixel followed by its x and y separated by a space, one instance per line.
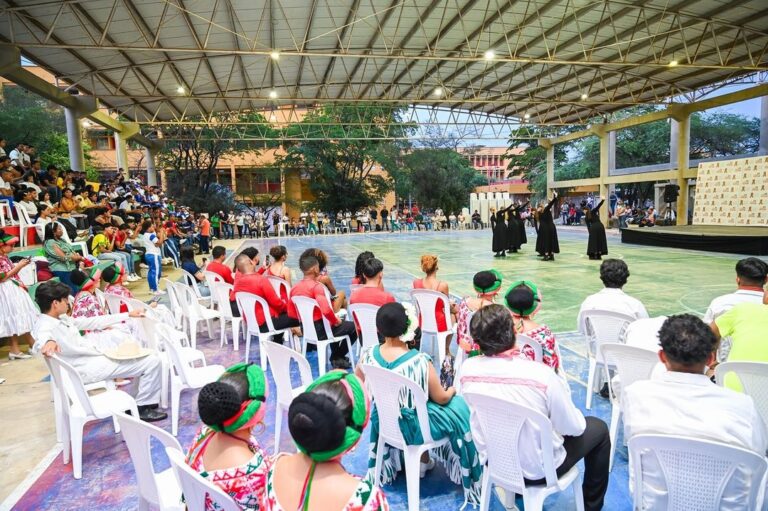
pixel 441 178
pixel 345 146
pixel 531 163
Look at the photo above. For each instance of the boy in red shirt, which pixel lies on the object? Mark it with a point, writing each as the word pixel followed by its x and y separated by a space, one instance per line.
pixel 218 267
pixel 311 288
pixel 372 291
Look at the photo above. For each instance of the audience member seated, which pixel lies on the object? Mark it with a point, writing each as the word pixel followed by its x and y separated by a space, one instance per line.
pixel 277 267
pixel 372 291
pixel 224 451
pixel 218 267
pixel 103 248
pixel 338 298
pixel 683 401
pixel 751 277
pixel 248 280
pixel 359 278
pixel 17 312
pixel 487 284
pixel 62 257
pixel 311 287
pixel 614 274
pixel 56 332
pixel 448 413
pixel 189 265
pixel 86 305
pixel 431 282
pixel 501 373
pixel 747 326
pixel 524 300
pixel 326 422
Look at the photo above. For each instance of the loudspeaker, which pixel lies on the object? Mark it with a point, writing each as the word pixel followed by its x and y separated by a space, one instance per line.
pixel 671 192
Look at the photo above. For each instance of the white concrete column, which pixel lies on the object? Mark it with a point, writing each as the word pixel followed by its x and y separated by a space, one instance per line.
pixel 121 153
pixel 149 154
pixel 683 148
pixel 674 129
pixel 611 152
pixel 74 140
pixel 762 149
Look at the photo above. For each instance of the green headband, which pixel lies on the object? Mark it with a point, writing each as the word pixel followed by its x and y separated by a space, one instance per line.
pixel 494 287
pixel 360 412
pixel 90 278
pixel 257 388
pixel 119 272
pixel 536 297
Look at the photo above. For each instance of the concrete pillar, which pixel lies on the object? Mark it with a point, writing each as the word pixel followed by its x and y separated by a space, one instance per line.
pixel 611 152
pixel 292 187
pixel 149 154
pixel 683 148
pixel 763 147
pixel 605 158
pixel 674 129
pixel 121 152
pixel 163 180
pixel 550 166
pixel 233 177
pixel 74 140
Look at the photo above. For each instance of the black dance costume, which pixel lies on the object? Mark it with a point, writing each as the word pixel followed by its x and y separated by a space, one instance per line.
pixel 516 228
pixel 499 226
pixel 546 243
pixel 597 245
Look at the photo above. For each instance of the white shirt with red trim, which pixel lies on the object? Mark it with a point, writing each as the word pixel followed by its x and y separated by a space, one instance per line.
pixel 530 384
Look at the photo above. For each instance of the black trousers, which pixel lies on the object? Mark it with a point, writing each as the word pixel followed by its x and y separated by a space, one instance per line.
pixel 338 350
pixel 594 446
pixel 280 322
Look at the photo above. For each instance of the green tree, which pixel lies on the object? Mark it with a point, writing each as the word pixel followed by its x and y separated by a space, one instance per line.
pixel 441 178
pixel 531 162
pixel 715 134
pixel 343 146
pixel 191 155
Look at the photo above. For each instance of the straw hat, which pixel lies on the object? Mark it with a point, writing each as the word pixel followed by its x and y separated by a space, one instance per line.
pixel 127 350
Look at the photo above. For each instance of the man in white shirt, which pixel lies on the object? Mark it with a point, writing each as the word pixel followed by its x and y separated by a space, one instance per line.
pixel 614 274
pixel 55 332
pixel 17 155
pixel 502 373
pixel 751 276
pixel 684 401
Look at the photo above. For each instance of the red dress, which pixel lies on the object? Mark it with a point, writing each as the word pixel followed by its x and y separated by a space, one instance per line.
pixel 442 325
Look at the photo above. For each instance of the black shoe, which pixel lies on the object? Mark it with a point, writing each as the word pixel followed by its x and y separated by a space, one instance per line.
pixel 604 391
pixel 340 363
pixel 147 414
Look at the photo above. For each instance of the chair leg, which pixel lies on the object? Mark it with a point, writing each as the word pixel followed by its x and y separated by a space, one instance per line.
pixel 578 495
pixel 533 501
pixel 247 345
pixel 591 382
pixel 222 332
pixel 321 356
pixel 175 396
pixel 486 491
pixel 76 436
pixel 413 478
pixel 349 349
pixel 236 333
pixel 262 354
pixel 193 332
pixel 614 431
pixel 143 504
pixel 210 328
pixel 164 380
pixel 379 461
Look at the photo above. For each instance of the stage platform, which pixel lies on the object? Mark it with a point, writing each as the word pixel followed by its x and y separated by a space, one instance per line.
pixel 710 238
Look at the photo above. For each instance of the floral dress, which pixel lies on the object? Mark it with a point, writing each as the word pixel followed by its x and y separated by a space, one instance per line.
pixel 367 497
pixel 463 338
pixel 245 483
pixel 87 306
pixel 17 311
pixel 544 336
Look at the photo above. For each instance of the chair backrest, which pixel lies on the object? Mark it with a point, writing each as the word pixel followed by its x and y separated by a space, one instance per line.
pixel 212 277
pixel 28 274
pixel 113 302
pixel 220 291
pixel 697 472
pixel 187 298
pixel 101 298
pixel 522 340
pixel 175 305
pixel 196 488
pixel 306 308
pixel 631 363
pixel 70 385
pixel 387 388
pixel 426 301
pixel 280 357
pixel 501 423
pixel 172 347
pixel 137 435
pixel 365 317
pixel 64 233
pixel 190 281
pixel 754 381
pixel 281 286
pixel 247 303
pixel 604 326
pixel 24 219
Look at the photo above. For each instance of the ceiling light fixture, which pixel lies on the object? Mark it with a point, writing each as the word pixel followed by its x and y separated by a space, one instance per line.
pixel 527 116
pixel 673 63
pixel 274 55
pixel 438 92
pixel 489 55
pixel 584 96
pixel 180 89
pixel 273 94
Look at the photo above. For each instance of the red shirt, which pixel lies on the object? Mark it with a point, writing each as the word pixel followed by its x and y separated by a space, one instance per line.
pixel 372 295
pixel 315 290
pixel 260 286
pixel 222 270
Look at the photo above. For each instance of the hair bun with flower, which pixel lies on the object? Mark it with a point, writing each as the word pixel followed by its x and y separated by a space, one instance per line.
pixel 412 322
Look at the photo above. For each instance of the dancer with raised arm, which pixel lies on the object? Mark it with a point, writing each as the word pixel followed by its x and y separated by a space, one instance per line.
pixel 499 226
pixel 546 243
pixel 516 228
pixel 597 244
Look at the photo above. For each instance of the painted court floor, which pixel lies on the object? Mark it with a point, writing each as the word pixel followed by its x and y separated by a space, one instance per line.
pixel 668 281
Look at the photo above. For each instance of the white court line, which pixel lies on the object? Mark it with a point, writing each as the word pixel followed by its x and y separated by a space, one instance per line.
pixel 31 479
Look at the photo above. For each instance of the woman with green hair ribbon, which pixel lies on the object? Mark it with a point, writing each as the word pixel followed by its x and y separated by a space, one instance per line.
pixel 487 285
pixel 523 298
pixel 326 421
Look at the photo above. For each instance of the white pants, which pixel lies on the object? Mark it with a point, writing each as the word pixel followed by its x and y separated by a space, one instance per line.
pixel 147 369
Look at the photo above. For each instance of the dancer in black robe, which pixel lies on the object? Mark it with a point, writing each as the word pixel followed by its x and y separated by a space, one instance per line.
pixel 546 243
pixel 516 228
pixel 597 245
pixel 499 226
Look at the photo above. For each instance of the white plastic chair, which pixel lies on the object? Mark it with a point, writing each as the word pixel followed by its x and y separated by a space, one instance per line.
pixel 192 283
pixel 306 307
pixel 192 311
pixel 157 489
pixel 426 301
pixel 28 274
pixel 754 381
pixel 174 301
pixel 696 472
pixel 387 388
pixel 212 279
pixel 196 488
pixel 102 300
pixel 25 224
pixel 522 340
pixel 280 358
pixel 247 303
pixel 184 376
pixel 365 318
pixel 632 364
pixel 280 285
pixel 81 408
pixel 501 423
pixel 221 291
pixel 602 327
pixel 6 216
pixel 83 245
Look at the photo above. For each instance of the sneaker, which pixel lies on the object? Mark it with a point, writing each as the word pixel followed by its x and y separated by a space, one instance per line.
pixel 132 278
pixel 143 265
pixel 426 467
pixel 19 356
pixel 340 363
pixel 157 293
